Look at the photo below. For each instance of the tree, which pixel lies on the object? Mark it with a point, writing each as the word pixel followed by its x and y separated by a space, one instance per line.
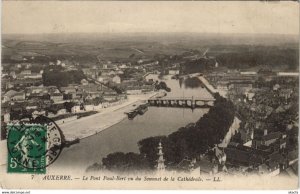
pixel 121 162
pixel 60 78
pixel 69 106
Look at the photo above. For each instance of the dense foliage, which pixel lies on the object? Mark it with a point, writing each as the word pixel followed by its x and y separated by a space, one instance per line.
pixel 125 162
pixel 193 82
pixel 199 65
pixel 259 55
pixel 62 78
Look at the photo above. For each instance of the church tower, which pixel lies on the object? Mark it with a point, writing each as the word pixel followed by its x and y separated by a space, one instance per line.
pixel 160 161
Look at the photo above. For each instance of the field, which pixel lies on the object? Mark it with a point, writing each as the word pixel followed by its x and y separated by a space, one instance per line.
pixel 233 51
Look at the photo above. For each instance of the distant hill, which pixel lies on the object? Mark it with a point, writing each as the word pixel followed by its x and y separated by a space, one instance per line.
pixel 230 50
pixel 164 38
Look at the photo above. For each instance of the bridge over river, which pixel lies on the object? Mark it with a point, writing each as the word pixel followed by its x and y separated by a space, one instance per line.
pixel 182 102
pixel 187 102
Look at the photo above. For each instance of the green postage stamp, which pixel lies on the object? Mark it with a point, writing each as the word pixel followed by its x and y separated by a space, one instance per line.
pixel 32 146
pixel 27 144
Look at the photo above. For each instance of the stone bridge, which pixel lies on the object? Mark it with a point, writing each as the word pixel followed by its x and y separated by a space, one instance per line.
pixel 182 102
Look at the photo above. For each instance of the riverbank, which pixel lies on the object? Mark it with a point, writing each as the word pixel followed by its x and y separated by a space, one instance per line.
pixel 91 125
pixel 232 130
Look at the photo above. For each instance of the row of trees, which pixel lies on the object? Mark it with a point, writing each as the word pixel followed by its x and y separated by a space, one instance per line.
pixel 198 65
pixel 189 141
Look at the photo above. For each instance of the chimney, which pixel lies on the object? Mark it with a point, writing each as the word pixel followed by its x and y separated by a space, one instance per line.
pixel 265 132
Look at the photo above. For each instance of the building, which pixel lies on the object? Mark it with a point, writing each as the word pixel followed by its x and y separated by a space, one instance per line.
pixel 56 109
pixel 8 95
pixel 33 76
pixel 173 72
pixel 116 79
pixel 248 73
pixel 288 74
pixel 110 95
pixel 269 170
pixel 26 72
pixel 69 91
pixel 285 93
pixel 13 74
pixel 267 139
pixel 238 154
pixel 19 96
pixel 22 83
pixel 91 90
pixel 91 72
pixel 276 87
pixel 133 91
pixel 5 112
pixel 84 82
pixel 250 95
pixel 104 79
pixel 56 97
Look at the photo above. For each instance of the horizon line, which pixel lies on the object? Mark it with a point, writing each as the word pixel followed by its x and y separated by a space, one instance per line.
pixel 113 33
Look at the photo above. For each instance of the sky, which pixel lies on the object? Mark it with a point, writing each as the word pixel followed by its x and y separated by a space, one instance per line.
pixel 35 17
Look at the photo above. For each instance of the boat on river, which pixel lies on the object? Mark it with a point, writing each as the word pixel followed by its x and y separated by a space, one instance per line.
pixel 132 114
pixel 142 109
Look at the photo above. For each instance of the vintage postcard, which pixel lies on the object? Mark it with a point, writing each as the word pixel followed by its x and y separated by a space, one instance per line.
pixel 149 95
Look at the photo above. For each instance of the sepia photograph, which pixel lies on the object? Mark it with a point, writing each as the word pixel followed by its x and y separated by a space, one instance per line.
pixel 149 95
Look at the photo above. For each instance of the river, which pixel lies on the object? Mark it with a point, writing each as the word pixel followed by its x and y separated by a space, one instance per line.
pixel 124 135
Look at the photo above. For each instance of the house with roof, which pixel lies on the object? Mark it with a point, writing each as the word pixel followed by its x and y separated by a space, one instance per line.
pixel 111 73
pixel 33 76
pixel 38 89
pixel 69 91
pixel 108 72
pixel 276 87
pixel 241 155
pixel 222 85
pixel 116 79
pixel 277 158
pixel 25 72
pixel 56 109
pixel 84 82
pixel 250 95
pixel 13 74
pixel 31 105
pixel 76 109
pixel 38 112
pixel 147 88
pixel 285 93
pixel 56 97
pixel 104 79
pixel 91 90
pixel 8 95
pixel 268 170
pixel 119 72
pixel 26 82
pixel 267 139
pixel 240 87
pixel 19 96
pixel 110 95
pixel 5 112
